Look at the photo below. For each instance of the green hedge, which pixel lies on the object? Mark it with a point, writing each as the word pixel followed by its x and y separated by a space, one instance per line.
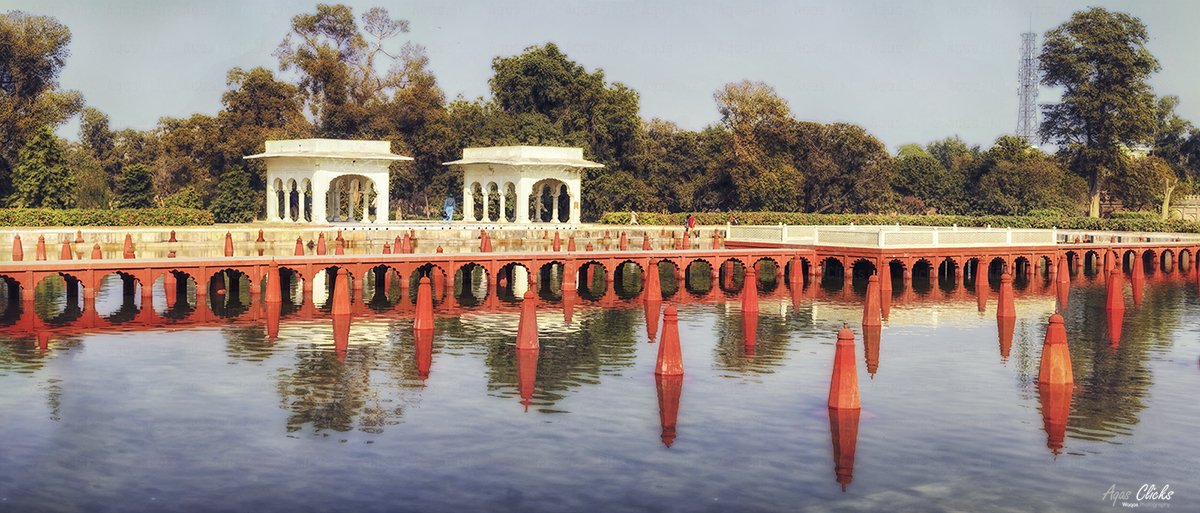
pixel 32 217
pixel 1131 224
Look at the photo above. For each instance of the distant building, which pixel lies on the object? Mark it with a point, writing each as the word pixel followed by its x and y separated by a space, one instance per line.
pixel 544 182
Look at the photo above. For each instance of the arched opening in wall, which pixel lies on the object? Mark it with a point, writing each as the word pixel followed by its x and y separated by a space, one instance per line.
pixel 229 293
pixel 628 279
pixel 768 272
pixel 921 271
pixel 549 202
pixel 351 199
pixel 997 267
pixel 1128 259
pixel 1045 264
pixel 698 277
pixel 1020 276
pixel 493 202
pixel 381 287
pixel 280 199
pixel 177 299
pixel 118 297
pixel 796 273
pixel 1167 261
pixel 1091 263
pixel 441 284
pixel 1185 261
pixel 971 273
pixel 896 270
pixel 512 281
pixel 1149 258
pixel 471 284
pixel 10 300
pixel 731 274
pixel 947 271
pixel 861 271
pixel 478 202
pixel 833 275
pixel 550 279
pixel 510 202
pixel 591 280
pixel 292 285
pixel 59 299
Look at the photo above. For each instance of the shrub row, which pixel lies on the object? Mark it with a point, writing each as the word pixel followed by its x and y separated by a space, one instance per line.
pixel 1132 224
pixel 34 217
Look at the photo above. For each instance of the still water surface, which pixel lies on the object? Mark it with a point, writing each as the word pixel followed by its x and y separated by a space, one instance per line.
pixel 220 418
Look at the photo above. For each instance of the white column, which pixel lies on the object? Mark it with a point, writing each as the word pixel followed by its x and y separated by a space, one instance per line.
pixel 468 204
pixel 503 199
pixel 287 202
pixel 320 190
pixel 272 199
pixel 365 190
pixel 335 192
pixel 538 194
pixel 554 207
pixel 522 209
pixel 487 204
pixel 381 203
pixel 573 195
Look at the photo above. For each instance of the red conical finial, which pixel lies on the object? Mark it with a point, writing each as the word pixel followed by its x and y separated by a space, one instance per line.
pixel 172 238
pixel 623 242
pixel 556 244
pixel 406 245
pixel 571 243
pixel 18 250
pixel 424 317
pixel 228 244
pixel 299 246
pixel 652 287
pixel 387 248
pixel 341 293
pixel 1056 357
pixel 646 242
pixel 981 286
pixel 872 314
pixel 843 387
pixel 439 249
pixel 274 291
pixel 128 249
pixel 1115 299
pixel 96 254
pixel 41 248
pixel 78 236
pixel 321 243
pixel 670 358
pixel 1005 308
pixel 260 236
pixel 527 329
pixel 750 290
pixel 66 253
pixel 340 248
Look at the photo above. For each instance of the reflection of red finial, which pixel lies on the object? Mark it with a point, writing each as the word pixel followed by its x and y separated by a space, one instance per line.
pixel 871 339
pixel 749 331
pixel 843 386
pixel 652 313
pixel 1006 326
pixel 669 390
pixel 423 345
pixel 527 328
pixel 670 358
pixel 341 335
pixel 527 361
pixel 1056 357
pixel 843 429
pixel 1056 408
pixel 981 288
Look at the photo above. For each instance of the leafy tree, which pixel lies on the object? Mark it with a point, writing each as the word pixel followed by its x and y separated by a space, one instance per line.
pixel 135 187
pixel 1100 60
pixel 235 201
pixel 190 196
pixel 1151 182
pixel 1016 179
pixel 921 176
pixel 41 178
pixel 764 173
pixel 92 189
pixel 33 50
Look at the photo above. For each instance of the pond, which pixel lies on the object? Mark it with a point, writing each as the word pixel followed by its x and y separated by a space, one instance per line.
pixel 238 414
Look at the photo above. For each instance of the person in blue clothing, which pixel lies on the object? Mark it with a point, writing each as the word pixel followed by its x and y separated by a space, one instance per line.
pixel 448 208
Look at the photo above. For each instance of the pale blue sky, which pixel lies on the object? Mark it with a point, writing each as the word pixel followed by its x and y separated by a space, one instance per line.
pixel 907 71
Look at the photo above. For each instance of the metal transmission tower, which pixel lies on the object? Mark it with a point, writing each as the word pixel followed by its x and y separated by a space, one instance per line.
pixel 1027 91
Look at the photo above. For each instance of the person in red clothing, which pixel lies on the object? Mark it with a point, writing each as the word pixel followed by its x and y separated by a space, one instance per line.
pixel 690 225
